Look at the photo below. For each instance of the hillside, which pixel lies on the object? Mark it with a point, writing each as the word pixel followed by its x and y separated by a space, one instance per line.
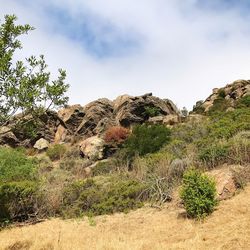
pixel 227 228
pixel 112 171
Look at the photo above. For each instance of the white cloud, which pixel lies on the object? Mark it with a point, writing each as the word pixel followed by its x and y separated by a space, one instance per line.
pixel 185 51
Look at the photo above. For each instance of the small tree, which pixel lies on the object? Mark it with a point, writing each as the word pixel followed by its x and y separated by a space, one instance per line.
pixel 25 86
pixel 198 193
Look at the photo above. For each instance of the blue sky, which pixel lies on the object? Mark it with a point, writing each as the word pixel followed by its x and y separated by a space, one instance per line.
pixel 177 49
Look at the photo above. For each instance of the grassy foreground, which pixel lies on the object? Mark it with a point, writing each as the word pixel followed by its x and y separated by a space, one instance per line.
pixel 147 228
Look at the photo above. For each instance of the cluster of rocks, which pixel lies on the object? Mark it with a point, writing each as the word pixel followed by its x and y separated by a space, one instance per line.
pixel 87 124
pixel 231 92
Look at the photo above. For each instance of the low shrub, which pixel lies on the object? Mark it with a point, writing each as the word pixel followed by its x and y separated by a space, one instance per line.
pixel 226 125
pixel 198 193
pixel 243 102
pixel 219 105
pixel 239 148
pixel 18 185
pixel 151 111
pixel 18 200
pixel 16 166
pixel 104 168
pixel 146 139
pixel 56 152
pixel 116 134
pixel 214 154
pixel 91 197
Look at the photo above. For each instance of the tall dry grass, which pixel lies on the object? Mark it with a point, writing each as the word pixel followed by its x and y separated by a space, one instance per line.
pixel 227 228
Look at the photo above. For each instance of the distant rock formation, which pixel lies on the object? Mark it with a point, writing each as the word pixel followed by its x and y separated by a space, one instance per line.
pixel 231 93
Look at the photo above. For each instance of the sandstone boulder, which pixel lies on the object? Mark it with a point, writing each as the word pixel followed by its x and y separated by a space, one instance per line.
pixel 225 184
pixel 92 148
pixel 7 137
pixel 41 144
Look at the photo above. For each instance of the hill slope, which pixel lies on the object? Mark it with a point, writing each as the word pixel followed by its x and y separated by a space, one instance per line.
pixel 227 228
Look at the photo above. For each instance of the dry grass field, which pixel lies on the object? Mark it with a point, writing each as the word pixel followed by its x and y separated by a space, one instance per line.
pixel 147 228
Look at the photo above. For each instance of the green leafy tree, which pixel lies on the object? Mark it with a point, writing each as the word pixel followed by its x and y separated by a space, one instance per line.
pixel 25 86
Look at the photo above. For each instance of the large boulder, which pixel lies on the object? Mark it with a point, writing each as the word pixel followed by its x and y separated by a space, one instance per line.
pixel 129 110
pixel 225 182
pixel 7 137
pixel 92 148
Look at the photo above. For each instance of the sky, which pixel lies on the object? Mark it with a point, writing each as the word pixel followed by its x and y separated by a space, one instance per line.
pixel 176 49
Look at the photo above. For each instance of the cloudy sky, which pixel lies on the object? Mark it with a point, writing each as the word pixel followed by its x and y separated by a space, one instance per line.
pixel 177 49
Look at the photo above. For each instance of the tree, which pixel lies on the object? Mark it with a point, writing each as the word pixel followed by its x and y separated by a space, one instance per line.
pixel 25 86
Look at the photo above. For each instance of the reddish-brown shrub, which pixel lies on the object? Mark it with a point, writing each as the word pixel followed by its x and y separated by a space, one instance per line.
pixel 116 134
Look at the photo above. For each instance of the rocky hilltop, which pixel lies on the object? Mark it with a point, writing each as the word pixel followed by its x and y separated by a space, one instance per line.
pixel 227 96
pixel 76 122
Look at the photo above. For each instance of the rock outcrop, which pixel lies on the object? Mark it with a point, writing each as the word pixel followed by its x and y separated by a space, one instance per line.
pixel 76 123
pixel 94 118
pixel 231 93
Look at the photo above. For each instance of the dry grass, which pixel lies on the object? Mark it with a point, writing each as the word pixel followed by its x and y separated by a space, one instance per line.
pixel 227 228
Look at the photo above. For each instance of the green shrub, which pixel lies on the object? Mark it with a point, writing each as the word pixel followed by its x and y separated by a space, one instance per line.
pixel 146 139
pixel 104 168
pixel 226 125
pixel 91 197
pixel 56 152
pixel 198 193
pixel 221 93
pixel 18 200
pixel 239 148
pixel 151 111
pixel 215 154
pixel 18 185
pixel 15 166
pixel 243 102
pixel 219 105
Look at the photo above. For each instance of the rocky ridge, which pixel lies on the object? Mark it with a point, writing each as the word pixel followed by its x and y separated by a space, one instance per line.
pixel 76 123
pixel 231 93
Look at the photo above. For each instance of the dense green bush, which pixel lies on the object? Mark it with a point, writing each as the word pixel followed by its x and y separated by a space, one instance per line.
pixel 18 185
pixel 151 111
pixel 18 200
pixel 56 152
pixel 15 166
pixel 146 139
pixel 92 197
pixel 243 102
pixel 226 125
pixel 198 193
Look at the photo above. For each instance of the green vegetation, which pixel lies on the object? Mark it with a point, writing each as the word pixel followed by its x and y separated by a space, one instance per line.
pixel 198 194
pixel 15 166
pixel 93 197
pixel 56 152
pixel 146 139
pixel 244 102
pixel 151 111
pixel 18 185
